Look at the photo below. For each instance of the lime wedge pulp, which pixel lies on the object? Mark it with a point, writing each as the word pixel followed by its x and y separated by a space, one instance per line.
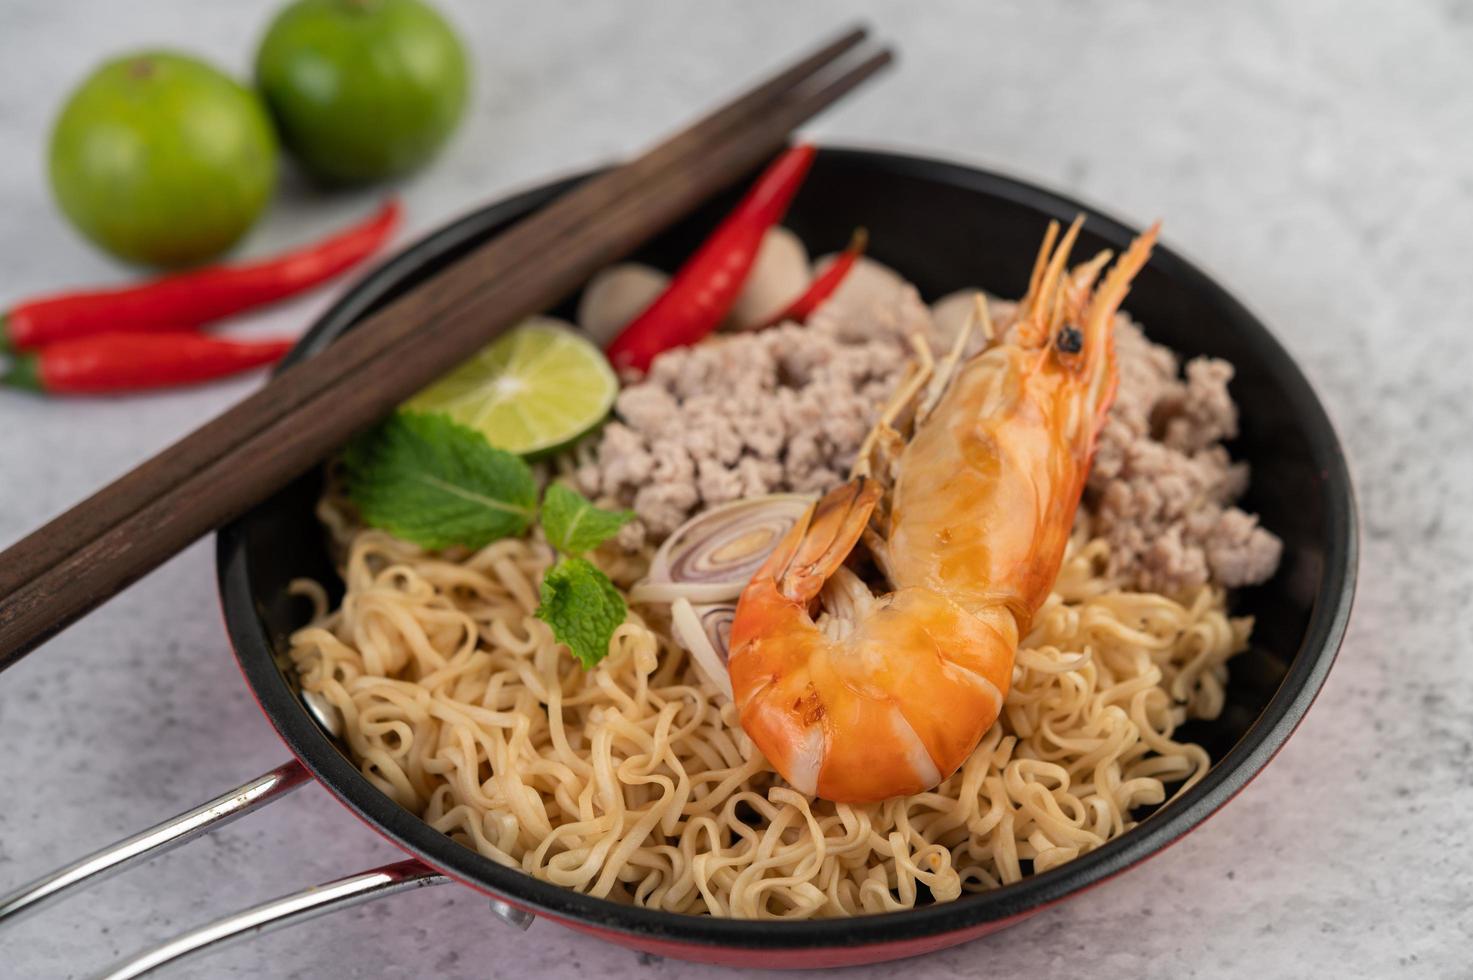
pixel 535 388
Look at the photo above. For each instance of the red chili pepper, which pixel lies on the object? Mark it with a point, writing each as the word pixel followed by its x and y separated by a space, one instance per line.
pixel 117 362
pixel 825 285
pixel 191 299
pixel 703 291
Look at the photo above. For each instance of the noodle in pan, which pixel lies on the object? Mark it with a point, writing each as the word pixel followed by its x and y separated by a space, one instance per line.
pixel 634 781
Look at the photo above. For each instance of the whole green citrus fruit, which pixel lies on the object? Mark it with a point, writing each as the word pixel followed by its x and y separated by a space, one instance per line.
pixel 362 89
pixel 161 159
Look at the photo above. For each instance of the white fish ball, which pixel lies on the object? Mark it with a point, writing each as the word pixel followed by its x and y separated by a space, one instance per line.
pixel 869 285
pixel 617 295
pixel 779 276
pixel 949 314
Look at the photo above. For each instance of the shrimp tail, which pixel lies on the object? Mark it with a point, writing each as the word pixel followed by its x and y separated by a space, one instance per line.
pixel 816 546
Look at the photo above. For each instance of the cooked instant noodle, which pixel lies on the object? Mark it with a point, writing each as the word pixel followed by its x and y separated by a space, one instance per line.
pixel 634 781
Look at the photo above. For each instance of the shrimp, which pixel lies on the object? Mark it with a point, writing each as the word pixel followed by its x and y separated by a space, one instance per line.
pixel 967 519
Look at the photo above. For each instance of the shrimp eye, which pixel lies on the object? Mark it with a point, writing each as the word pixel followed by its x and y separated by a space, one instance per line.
pixel 1069 341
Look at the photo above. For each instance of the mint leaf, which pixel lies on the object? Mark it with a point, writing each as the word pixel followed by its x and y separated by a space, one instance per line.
pixel 430 480
pixel 583 608
pixel 574 525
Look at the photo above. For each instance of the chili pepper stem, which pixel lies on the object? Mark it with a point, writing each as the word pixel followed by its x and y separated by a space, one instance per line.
pixel 24 372
pixel 5 345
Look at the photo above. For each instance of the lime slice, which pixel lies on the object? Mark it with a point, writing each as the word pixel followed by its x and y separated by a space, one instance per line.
pixel 536 388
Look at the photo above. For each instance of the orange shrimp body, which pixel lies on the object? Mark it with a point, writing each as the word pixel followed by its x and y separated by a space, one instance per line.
pixel 887 695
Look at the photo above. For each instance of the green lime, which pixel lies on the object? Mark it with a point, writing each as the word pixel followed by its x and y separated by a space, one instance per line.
pixel 536 388
pixel 159 158
pixel 362 89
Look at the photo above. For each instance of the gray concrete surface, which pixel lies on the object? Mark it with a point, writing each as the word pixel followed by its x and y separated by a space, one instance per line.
pixel 1317 156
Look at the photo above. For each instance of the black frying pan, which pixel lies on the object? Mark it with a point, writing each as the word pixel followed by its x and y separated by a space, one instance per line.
pixel 944 227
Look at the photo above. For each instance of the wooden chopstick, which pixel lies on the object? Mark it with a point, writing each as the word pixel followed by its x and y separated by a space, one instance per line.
pixel 416 340
pixel 45 548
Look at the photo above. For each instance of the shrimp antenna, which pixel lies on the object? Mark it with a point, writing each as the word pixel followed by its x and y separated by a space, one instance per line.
pixel 1100 314
pixel 1045 292
pixel 1036 279
pixel 941 378
pixel 1055 271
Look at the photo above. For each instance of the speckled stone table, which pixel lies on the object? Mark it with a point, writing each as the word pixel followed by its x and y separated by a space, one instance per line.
pixel 1316 156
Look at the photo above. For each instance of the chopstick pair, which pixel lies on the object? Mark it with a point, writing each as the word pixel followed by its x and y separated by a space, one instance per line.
pixel 102 545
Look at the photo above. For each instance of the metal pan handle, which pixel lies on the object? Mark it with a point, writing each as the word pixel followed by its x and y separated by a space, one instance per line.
pixel 279 913
pixel 309 903
pixel 152 842
pixel 287 910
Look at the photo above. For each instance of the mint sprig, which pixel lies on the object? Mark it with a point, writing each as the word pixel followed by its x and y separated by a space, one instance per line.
pixel 432 481
pixel 583 608
pixel 427 479
pixel 574 525
pixel 578 601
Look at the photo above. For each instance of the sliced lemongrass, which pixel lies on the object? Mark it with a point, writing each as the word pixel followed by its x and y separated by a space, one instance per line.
pixel 691 632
